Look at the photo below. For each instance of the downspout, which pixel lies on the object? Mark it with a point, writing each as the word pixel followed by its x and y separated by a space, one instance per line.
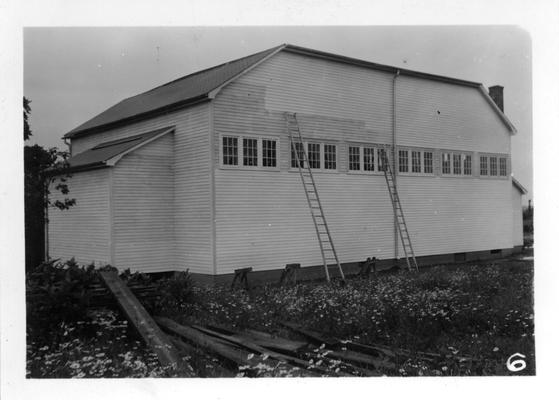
pixel 394 159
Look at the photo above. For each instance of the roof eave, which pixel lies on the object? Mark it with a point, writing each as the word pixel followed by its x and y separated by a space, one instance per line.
pixel 138 117
pixel 518 186
pixel 496 108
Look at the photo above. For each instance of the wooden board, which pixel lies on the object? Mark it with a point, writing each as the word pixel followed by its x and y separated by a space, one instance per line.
pixel 154 337
pixel 226 349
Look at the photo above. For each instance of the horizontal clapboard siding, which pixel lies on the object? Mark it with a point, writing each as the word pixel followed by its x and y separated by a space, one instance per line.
pixel 454 215
pixel 192 206
pixel 447 116
pixel 262 218
pixel 518 229
pixel 82 231
pixel 143 208
pixel 193 217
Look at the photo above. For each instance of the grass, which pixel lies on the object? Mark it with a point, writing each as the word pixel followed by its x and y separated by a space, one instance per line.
pixel 479 311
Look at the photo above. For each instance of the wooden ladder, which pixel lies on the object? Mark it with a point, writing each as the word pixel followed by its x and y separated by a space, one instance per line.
pixel 329 255
pixel 398 212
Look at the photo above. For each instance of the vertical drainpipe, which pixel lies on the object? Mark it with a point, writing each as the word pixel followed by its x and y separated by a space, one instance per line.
pixel 394 158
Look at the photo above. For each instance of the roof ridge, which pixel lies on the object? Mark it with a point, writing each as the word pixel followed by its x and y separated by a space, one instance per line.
pixel 204 70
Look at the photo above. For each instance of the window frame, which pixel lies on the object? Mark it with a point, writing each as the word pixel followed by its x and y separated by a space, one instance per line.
pixel 410 161
pixel 498 157
pixel 376 166
pixel 240 152
pixel 457 169
pixel 322 156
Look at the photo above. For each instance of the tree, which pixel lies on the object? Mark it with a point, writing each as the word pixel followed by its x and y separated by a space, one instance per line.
pixel 26 111
pixel 43 170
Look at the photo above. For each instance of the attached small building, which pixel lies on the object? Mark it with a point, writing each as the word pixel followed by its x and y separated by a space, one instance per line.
pixel 199 173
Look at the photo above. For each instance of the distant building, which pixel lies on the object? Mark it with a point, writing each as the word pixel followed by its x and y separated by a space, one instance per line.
pixel 199 173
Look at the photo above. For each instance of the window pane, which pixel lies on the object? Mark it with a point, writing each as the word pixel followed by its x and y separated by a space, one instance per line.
pixel 446 163
pixel 428 162
pixel 354 164
pixel 468 165
pixel 314 155
pixel 493 166
pixel 269 158
pixel 230 149
pixel 403 160
pixel 502 166
pixel 483 165
pixel 415 161
pixel 382 158
pixel 329 156
pixel 457 164
pixel 368 159
pixel 250 152
pixel 300 153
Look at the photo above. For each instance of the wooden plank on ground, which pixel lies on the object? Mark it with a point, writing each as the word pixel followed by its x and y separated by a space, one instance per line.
pixel 223 348
pixel 264 339
pixel 315 336
pixel 249 344
pixel 154 337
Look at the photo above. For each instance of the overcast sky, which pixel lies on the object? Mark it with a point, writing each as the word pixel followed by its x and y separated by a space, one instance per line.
pixel 72 74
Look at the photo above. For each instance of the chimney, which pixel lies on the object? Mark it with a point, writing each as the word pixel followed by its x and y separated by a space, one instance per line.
pixel 496 93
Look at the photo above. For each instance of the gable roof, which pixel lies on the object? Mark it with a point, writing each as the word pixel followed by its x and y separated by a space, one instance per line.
pixel 109 153
pixel 202 86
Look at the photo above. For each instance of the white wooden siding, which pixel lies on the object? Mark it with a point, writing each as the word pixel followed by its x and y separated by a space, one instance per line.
pixel 193 217
pixel 143 209
pixel 518 229
pixel 192 206
pixel 444 115
pixel 262 218
pixel 83 230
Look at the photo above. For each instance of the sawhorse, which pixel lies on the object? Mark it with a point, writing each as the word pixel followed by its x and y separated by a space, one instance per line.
pixel 289 273
pixel 241 278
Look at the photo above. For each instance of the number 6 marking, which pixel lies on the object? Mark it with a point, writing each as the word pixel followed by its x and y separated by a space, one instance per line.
pixel 516 365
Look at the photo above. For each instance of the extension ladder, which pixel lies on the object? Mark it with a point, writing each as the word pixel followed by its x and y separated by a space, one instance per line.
pixel 398 212
pixel 329 255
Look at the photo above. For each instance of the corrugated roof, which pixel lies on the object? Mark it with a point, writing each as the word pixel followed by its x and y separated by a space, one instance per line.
pixel 185 89
pixel 103 152
pixel 196 87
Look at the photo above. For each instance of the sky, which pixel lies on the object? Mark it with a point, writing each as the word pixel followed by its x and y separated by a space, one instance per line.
pixel 72 74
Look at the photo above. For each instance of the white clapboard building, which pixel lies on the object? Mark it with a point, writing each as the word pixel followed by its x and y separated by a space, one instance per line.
pixel 199 173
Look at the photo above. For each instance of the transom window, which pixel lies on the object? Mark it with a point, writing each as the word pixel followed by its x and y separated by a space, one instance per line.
pixel 237 151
